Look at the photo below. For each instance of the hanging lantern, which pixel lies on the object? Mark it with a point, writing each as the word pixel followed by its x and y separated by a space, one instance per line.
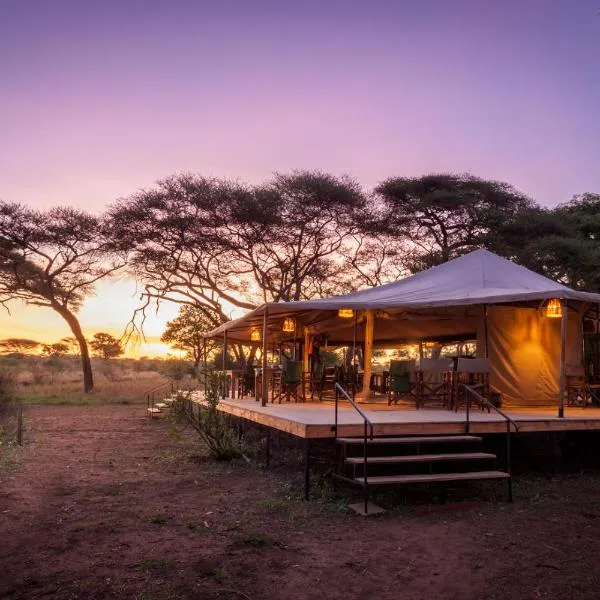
pixel 255 335
pixel 554 309
pixel 289 325
pixel 345 313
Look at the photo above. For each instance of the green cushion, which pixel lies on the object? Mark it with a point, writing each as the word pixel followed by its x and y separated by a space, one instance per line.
pixel 293 372
pixel 401 383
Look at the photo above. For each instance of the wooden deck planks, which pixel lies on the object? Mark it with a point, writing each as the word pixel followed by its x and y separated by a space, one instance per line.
pixel 315 420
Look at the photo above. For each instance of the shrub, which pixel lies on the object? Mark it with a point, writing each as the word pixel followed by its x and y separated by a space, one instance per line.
pixel 210 423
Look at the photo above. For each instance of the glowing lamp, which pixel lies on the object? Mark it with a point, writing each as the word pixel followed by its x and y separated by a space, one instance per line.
pixel 255 335
pixel 429 344
pixel 289 325
pixel 345 313
pixel 554 309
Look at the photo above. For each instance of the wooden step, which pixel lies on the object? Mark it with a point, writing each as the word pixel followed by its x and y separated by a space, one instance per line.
pixel 431 478
pixel 411 440
pixel 154 411
pixel 357 460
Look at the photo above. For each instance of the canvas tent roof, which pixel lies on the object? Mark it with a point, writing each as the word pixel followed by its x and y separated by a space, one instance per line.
pixel 480 277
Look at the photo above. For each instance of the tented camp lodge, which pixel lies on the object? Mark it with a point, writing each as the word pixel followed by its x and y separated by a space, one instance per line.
pixel 530 329
pixel 499 349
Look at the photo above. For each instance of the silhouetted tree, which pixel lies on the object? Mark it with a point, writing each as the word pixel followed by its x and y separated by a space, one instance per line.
pixel 216 244
pixel 18 345
pixel 437 217
pixel 106 346
pixel 185 332
pixel 53 259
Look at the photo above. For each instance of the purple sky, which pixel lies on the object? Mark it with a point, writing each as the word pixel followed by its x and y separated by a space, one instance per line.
pixel 100 98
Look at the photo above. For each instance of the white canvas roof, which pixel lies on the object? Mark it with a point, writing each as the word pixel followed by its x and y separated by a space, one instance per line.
pixel 480 277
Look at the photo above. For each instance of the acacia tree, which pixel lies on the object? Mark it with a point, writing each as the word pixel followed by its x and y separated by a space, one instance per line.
pixel 185 332
pixel 18 346
pixel 53 259
pixel 106 345
pixel 440 216
pixel 218 245
pixel 561 243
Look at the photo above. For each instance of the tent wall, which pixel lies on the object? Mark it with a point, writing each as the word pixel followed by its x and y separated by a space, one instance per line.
pixel 524 352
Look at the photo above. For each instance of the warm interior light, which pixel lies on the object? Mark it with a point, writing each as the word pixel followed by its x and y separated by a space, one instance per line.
pixel 554 309
pixel 345 313
pixel 289 325
pixel 255 335
pixel 429 344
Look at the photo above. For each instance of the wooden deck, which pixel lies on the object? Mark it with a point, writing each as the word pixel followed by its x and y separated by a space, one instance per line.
pixel 315 419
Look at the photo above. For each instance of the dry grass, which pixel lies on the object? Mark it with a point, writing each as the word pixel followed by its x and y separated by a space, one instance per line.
pixel 127 388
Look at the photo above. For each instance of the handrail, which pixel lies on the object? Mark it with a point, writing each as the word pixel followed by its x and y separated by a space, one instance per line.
pixel 339 389
pixel 488 405
pixel 485 402
pixel 344 393
pixel 151 392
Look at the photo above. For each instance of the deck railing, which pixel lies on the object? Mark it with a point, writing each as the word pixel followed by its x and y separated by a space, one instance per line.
pixel 368 425
pixel 485 403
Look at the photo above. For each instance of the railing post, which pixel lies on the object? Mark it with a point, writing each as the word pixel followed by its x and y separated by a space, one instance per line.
pixel 365 463
pixel 468 413
pixel 337 396
pixel 508 462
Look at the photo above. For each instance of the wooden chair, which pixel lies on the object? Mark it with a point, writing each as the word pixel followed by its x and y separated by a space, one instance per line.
pixel 434 382
pixel 292 381
pixel 402 380
pixel 577 390
pixel 474 372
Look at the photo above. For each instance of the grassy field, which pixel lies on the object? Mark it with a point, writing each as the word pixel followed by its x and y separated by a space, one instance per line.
pixel 36 380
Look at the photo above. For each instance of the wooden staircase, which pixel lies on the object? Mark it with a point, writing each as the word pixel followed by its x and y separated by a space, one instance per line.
pixel 387 461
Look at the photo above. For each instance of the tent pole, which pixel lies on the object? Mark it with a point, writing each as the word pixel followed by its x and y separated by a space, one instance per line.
pixel 368 352
pixel 563 343
pixel 265 391
pixel 306 350
pixel 354 355
pixel 485 330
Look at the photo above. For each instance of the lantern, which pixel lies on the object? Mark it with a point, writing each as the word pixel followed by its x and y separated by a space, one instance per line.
pixel 554 309
pixel 345 313
pixel 255 335
pixel 289 325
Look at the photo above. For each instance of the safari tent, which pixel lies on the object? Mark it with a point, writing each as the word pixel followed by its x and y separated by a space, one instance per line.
pixel 530 328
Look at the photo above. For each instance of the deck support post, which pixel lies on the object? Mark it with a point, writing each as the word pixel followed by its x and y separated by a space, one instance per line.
pixel 224 363
pixel 307 469
pixel 368 353
pixel 265 391
pixel 563 344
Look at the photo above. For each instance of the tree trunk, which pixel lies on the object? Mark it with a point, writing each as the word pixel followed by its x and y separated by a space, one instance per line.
pixel 86 363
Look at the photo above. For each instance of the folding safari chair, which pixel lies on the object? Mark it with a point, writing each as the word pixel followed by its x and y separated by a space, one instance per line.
pixel 435 381
pixel 475 373
pixel 402 380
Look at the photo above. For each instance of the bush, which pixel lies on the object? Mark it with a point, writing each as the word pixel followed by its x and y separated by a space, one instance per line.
pixel 210 423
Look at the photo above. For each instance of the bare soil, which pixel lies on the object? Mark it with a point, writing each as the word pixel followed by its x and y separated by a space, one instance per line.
pixel 105 503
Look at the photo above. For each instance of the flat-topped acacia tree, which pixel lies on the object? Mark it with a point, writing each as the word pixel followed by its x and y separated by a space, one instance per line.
pixel 53 259
pixel 217 245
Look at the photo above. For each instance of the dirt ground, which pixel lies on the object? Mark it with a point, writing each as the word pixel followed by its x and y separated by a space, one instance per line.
pixel 102 502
